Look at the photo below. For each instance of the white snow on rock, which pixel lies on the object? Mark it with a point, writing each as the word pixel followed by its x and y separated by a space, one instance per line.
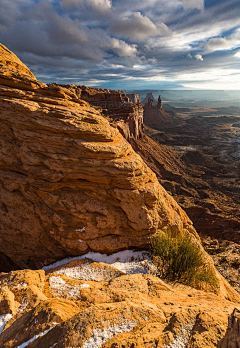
pixel 127 261
pixel 21 308
pixel 99 337
pixel 4 318
pixel 60 288
pixel 89 272
pixel 21 285
pixel 181 340
pixel 25 344
pixel 84 286
pixel 81 229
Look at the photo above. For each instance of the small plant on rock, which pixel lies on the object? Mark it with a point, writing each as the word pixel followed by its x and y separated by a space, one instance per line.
pixel 178 258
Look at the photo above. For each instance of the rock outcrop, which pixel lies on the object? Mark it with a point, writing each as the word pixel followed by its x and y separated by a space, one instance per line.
pixel 124 111
pixel 70 306
pixel 154 114
pixel 70 182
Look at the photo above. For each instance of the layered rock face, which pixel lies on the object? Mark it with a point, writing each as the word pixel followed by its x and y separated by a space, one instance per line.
pixel 70 182
pixel 124 111
pixel 91 305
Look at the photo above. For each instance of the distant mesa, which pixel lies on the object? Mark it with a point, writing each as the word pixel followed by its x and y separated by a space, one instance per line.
pixel 154 114
pixel 149 97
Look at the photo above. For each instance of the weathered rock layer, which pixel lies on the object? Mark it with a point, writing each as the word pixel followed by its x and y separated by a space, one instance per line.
pixel 69 181
pixel 68 307
pixel 124 111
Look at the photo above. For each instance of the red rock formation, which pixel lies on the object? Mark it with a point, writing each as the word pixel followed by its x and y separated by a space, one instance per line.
pixel 149 97
pixel 69 181
pixel 124 111
pixel 154 114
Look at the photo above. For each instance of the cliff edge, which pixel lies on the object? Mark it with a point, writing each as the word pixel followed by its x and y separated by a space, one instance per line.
pixel 70 183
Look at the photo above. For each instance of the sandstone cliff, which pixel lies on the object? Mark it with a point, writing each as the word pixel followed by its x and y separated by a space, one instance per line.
pixel 70 183
pixel 124 111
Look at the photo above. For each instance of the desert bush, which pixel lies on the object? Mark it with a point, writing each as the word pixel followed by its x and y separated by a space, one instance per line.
pixel 179 259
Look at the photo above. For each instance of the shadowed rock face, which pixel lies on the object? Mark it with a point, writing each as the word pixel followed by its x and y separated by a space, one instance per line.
pixel 232 337
pixel 70 182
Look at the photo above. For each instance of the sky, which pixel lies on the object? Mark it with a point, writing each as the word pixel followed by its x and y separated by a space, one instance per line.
pixel 127 44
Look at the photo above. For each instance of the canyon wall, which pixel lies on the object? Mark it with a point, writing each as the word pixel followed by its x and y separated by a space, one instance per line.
pixel 123 110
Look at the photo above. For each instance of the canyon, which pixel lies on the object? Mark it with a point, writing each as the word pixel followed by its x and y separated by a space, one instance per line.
pixel 81 183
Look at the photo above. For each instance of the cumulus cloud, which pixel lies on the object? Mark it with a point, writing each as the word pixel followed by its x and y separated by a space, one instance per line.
pixel 224 43
pixel 122 48
pixel 137 27
pixel 237 55
pixel 198 57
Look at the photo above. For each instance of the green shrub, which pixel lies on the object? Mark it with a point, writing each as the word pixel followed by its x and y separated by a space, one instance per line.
pixel 178 258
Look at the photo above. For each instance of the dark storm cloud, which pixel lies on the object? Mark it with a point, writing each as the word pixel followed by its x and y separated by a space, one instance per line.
pixel 104 42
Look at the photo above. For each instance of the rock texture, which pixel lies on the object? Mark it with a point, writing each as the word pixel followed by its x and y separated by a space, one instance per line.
pixel 70 182
pixel 124 111
pixel 139 310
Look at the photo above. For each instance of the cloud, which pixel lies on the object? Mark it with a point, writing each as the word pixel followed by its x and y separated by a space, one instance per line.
pixel 198 57
pixel 224 43
pixel 190 4
pixel 137 27
pixel 95 5
pixel 113 43
pixel 237 55
pixel 10 11
pixel 122 48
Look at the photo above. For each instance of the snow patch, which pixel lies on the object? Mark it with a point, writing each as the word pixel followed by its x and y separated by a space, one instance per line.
pixel 99 337
pixel 181 340
pixel 88 272
pixel 127 261
pixel 53 345
pixel 84 286
pixel 21 285
pixel 81 229
pixel 25 344
pixel 60 288
pixel 21 308
pixel 4 318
